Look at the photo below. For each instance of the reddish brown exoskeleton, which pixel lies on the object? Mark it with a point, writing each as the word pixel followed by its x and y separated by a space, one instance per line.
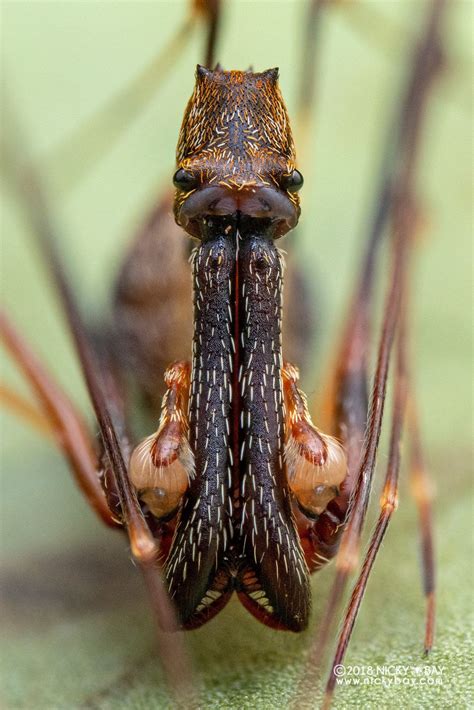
pixel 237 490
pixel 236 453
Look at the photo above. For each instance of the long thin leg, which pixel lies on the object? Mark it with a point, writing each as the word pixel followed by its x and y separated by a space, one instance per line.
pixel 308 71
pixel 395 195
pixel 66 424
pixel 388 505
pixel 211 9
pixel 143 545
pixel 426 65
pixel 421 489
pixel 361 481
pixel 345 402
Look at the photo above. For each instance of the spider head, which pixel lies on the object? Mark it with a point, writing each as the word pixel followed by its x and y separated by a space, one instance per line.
pixel 235 152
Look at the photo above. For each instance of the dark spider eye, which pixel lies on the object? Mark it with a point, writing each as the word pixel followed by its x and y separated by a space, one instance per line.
pixel 184 181
pixel 292 182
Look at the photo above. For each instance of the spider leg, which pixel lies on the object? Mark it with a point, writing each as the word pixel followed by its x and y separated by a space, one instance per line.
pixel 427 62
pixel 143 545
pixel 211 11
pixel 421 490
pixel 339 526
pixel 61 419
pixel 345 407
pixel 388 505
pixel 312 19
pixel 345 401
pixel 396 199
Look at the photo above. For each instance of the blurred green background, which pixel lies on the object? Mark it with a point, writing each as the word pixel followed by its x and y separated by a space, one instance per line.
pixel 77 632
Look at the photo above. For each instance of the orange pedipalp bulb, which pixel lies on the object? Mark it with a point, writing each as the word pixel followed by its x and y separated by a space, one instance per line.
pixel 316 463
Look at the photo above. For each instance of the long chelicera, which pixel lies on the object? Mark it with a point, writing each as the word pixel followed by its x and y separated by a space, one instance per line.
pixel 236 519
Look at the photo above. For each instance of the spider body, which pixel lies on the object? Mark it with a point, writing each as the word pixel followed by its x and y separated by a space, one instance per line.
pixel 242 446
pixel 237 490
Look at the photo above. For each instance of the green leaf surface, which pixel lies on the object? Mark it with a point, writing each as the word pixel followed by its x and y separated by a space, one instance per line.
pixel 76 628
